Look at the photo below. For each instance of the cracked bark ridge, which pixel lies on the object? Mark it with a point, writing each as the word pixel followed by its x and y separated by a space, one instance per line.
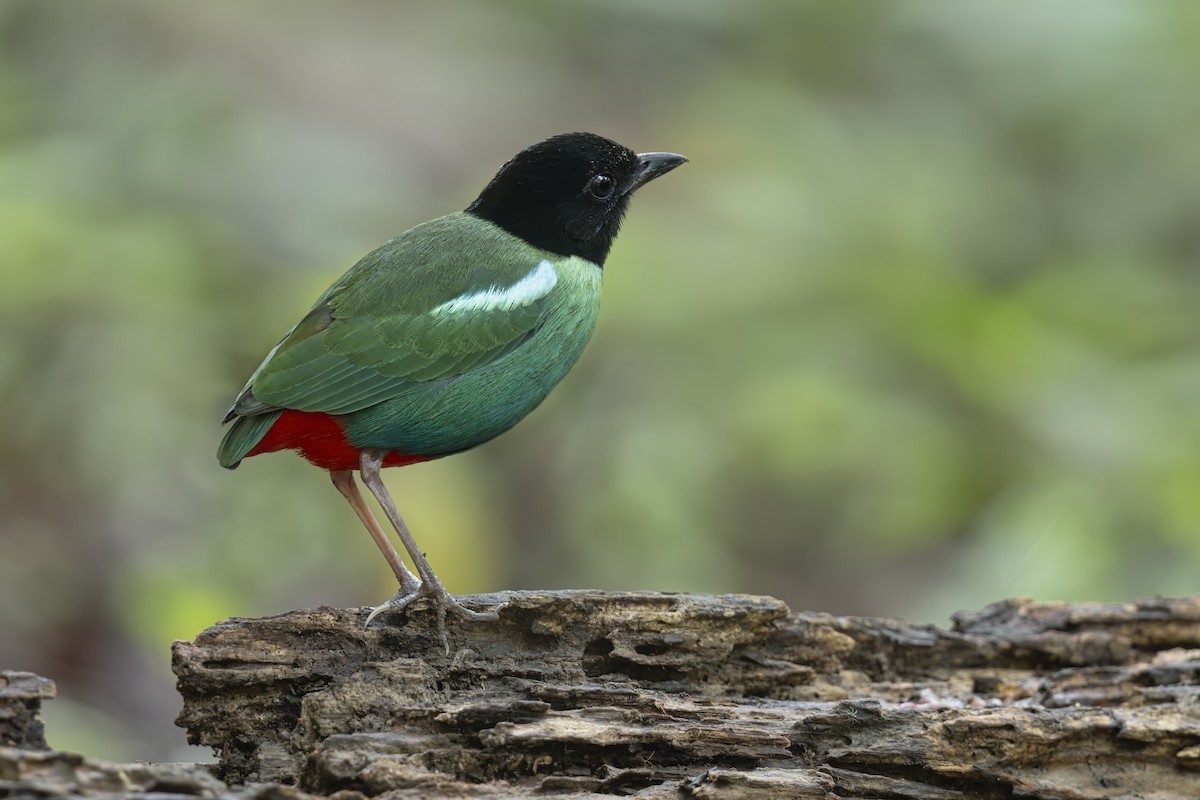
pixel 586 694
pixel 55 774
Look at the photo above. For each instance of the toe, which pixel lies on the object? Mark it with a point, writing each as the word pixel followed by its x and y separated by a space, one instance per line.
pixel 441 628
pixel 398 602
pixel 480 616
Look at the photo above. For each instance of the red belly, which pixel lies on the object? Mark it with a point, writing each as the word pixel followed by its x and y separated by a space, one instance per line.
pixel 320 440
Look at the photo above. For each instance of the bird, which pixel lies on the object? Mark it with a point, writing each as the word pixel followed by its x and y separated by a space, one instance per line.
pixel 445 337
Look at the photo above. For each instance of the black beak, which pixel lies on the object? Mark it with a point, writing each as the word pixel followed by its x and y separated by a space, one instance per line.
pixel 652 165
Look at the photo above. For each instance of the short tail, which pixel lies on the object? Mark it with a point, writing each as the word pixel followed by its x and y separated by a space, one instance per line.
pixel 243 434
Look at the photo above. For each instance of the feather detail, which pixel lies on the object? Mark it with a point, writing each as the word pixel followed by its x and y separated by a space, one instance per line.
pixel 242 437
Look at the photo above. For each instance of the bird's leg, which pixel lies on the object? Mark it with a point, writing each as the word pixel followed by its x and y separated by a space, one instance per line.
pixel 370 463
pixel 343 479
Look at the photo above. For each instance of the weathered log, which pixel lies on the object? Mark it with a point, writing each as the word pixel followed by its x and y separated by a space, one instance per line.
pixel 587 694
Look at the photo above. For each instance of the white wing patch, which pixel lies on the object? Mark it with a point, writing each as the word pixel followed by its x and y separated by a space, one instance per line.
pixel 535 285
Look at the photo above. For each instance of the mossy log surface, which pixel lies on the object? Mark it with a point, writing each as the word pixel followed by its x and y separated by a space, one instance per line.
pixel 590 694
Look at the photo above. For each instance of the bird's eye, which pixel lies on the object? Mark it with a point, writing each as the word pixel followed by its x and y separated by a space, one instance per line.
pixel 601 187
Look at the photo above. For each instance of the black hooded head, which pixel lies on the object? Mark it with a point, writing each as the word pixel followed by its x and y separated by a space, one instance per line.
pixel 568 194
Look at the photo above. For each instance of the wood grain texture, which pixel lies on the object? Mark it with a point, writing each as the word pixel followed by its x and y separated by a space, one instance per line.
pixel 589 694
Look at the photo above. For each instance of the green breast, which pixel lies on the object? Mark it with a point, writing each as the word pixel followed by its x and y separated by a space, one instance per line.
pixel 461 411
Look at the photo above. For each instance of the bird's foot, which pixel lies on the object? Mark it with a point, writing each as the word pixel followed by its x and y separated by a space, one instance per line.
pixel 443 602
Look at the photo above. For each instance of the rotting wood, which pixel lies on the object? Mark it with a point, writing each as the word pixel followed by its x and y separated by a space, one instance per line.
pixel 588 694
pixel 21 696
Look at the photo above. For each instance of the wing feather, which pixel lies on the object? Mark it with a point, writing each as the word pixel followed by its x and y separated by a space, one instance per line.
pixel 337 362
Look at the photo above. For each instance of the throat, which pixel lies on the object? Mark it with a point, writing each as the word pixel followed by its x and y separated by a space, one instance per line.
pixel 546 230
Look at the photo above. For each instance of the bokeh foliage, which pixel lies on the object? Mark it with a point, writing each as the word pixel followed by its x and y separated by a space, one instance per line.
pixel 915 330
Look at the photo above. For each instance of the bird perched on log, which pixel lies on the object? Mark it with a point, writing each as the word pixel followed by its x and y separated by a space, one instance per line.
pixel 446 336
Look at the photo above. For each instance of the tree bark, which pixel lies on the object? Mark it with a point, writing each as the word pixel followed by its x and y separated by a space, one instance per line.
pixel 21 696
pixel 587 694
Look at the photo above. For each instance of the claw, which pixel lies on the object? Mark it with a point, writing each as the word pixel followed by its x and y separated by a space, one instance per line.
pixel 398 602
pixel 444 603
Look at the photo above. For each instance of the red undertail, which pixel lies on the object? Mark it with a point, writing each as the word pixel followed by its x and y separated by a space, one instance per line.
pixel 320 440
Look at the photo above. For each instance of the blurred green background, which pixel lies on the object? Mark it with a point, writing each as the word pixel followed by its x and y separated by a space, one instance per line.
pixel 916 329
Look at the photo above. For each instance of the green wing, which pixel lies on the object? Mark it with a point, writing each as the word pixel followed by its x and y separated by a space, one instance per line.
pixel 429 305
pixel 357 362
